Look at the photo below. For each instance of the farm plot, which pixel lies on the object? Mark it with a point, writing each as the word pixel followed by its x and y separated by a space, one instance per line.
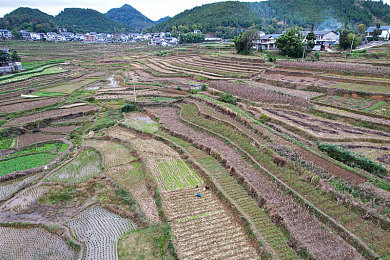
pixel 203 228
pixel 60 129
pixel 141 122
pixel 266 231
pixel 7 142
pixel 52 114
pixel 130 177
pixel 31 158
pixel 120 133
pixel 70 86
pixel 26 105
pixel 172 174
pixel 371 106
pixel 169 170
pixel 305 229
pixel 9 188
pixel 100 230
pixel 377 152
pixel 31 74
pixel 33 243
pixel 114 154
pixel 25 199
pixel 86 165
pixel 256 94
pixel 319 128
pixel 30 139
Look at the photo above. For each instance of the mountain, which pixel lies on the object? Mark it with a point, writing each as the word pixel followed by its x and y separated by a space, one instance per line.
pixel 24 18
pixel 88 20
pixel 131 17
pixel 162 19
pixel 276 15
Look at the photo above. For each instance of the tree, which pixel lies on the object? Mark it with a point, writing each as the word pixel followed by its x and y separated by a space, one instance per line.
pixel 344 43
pixel 376 32
pixel 353 40
pixel 290 44
pixel 311 38
pixel 4 57
pixel 17 35
pixel 14 56
pixel 361 29
pixel 244 42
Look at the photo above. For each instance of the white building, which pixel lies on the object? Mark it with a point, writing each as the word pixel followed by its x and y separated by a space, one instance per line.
pixel 385 32
pixel 324 38
pixel 5 33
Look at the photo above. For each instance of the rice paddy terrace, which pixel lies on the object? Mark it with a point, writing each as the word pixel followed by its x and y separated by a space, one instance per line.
pixel 109 152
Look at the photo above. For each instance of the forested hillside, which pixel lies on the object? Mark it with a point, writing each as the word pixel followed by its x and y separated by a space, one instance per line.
pixel 277 15
pixel 25 18
pixel 87 20
pixel 131 17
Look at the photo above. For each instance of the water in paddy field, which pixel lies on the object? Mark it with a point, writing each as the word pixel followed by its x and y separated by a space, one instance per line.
pixel 113 82
pixel 145 119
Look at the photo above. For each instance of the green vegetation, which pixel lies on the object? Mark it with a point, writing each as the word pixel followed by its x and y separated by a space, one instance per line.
pixel 352 159
pixel 106 120
pixel 131 17
pixel 148 243
pixel 175 174
pixel 7 142
pixel 290 44
pixel 129 107
pixel 244 42
pixel 31 157
pixel 266 15
pixel 46 70
pixel 88 20
pixel 227 97
pixel 25 18
pixel 86 165
pixel 192 38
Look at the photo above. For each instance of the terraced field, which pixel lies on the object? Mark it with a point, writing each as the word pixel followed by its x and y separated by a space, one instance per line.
pixel 292 163
pixel 37 244
pixel 100 230
pixel 86 165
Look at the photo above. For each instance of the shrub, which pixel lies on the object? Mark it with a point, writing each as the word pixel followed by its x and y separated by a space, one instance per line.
pixel 204 87
pixel 354 160
pixel 129 107
pixel 194 91
pixel 227 97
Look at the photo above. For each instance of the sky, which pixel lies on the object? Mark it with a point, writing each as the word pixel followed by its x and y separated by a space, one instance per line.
pixel 153 9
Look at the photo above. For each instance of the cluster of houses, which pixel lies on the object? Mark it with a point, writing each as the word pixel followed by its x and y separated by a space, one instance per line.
pixel 324 39
pixel 163 39
pixel 9 66
pixel 384 32
pixel 64 36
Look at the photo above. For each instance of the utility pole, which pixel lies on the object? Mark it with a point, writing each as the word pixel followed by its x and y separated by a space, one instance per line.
pixel 352 42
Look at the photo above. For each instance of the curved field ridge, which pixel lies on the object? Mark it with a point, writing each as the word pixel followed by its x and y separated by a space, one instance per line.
pixel 8 189
pixel 100 230
pixel 86 165
pixel 32 243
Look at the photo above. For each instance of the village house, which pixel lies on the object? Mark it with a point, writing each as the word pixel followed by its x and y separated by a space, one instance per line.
pixel 9 66
pixel 5 34
pixel 385 33
pixel 324 38
pixel 266 41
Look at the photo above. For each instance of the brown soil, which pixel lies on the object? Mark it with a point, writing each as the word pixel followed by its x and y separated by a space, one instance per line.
pixel 56 113
pixel 29 139
pixel 301 225
pixel 60 129
pixel 25 105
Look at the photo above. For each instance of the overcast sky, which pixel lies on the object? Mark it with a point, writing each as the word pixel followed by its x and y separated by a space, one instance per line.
pixel 154 9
